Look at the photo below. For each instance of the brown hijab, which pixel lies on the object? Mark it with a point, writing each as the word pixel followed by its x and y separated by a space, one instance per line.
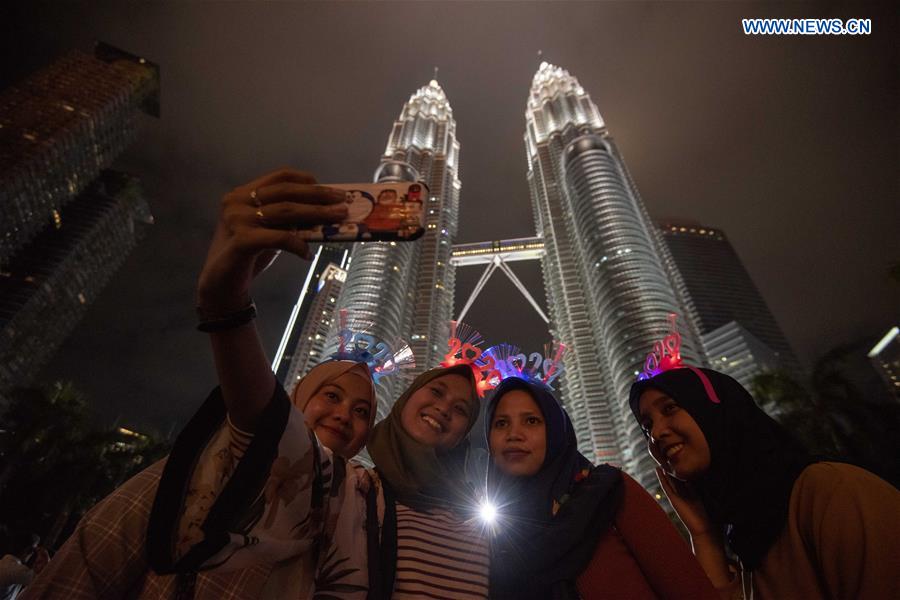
pixel 422 476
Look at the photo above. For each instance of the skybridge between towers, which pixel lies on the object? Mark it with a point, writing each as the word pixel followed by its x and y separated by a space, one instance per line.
pixel 496 254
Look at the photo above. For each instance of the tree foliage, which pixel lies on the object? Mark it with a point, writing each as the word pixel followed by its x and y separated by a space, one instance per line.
pixel 833 417
pixel 55 464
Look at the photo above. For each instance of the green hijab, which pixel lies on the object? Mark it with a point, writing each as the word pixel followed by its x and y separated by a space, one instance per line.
pixel 422 477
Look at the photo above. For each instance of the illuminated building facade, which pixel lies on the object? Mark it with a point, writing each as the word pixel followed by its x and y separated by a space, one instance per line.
pixel 605 271
pixel 59 128
pixel 719 291
pixel 885 357
pixel 290 358
pixel 316 324
pixel 735 351
pixel 66 224
pixel 405 290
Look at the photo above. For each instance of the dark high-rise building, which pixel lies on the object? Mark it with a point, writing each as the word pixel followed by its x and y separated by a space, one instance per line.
pixel 67 223
pixel 719 290
pixel 47 285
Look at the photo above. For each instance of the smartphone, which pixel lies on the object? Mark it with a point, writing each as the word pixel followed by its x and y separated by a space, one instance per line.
pixel 376 212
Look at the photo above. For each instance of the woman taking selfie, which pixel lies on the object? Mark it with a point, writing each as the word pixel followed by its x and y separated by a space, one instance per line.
pixel 247 485
pixel 304 507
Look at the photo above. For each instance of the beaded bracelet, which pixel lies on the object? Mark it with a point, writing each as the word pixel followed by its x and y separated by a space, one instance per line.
pixel 228 321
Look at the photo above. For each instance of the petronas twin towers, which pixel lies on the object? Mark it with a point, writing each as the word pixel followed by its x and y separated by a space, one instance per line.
pixel 608 277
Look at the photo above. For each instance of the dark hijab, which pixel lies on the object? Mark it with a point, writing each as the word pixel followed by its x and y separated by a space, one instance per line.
pixel 754 460
pixel 549 523
pixel 422 477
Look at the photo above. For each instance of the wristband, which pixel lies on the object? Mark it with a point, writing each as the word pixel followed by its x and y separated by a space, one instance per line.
pixel 228 321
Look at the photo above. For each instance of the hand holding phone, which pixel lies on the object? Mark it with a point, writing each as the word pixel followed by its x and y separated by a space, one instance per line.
pixel 376 212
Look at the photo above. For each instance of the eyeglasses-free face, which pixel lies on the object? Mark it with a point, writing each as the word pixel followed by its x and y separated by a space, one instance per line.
pixel 339 414
pixel 674 439
pixel 518 436
pixel 438 413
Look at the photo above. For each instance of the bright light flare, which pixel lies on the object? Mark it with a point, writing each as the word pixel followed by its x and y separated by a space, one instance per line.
pixel 488 512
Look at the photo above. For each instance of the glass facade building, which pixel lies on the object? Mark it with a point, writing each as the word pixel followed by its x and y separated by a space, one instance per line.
pixel 735 351
pixel 316 325
pixel 719 289
pixel 67 223
pixel 606 274
pixel 58 129
pixel 404 290
pixel 47 286
pixel 291 357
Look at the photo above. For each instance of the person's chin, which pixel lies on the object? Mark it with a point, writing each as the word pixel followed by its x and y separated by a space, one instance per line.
pixel 684 472
pixel 429 438
pixel 333 442
pixel 517 469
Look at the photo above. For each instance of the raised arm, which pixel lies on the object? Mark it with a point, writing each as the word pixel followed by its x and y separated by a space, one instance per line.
pixel 256 221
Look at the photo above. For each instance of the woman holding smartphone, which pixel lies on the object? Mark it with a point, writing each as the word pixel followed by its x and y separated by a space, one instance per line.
pixel 370 544
pixel 286 498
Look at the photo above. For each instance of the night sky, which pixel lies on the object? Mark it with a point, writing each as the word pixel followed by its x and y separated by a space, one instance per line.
pixel 789 144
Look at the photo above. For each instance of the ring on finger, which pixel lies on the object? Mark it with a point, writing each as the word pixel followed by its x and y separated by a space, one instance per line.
pixel 260 216
pixel 255 197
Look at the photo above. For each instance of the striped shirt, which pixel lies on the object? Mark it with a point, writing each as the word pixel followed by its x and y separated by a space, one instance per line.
pixel 440 555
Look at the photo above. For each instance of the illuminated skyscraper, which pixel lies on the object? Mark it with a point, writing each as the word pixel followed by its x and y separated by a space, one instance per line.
pixel 735 351
pixel 291 358
pixel 405 289
pixel 317 324
pixel 66 223
pixel 608 285
pixel 720 292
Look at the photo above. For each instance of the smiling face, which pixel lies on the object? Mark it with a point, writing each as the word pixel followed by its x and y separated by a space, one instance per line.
pixel 674 439
pixel 518 437
pixel 438 414
pixel 339 414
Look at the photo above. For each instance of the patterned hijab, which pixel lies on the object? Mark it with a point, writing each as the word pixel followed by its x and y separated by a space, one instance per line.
pixel 754 460
pixel 421 476
pixel 549 522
